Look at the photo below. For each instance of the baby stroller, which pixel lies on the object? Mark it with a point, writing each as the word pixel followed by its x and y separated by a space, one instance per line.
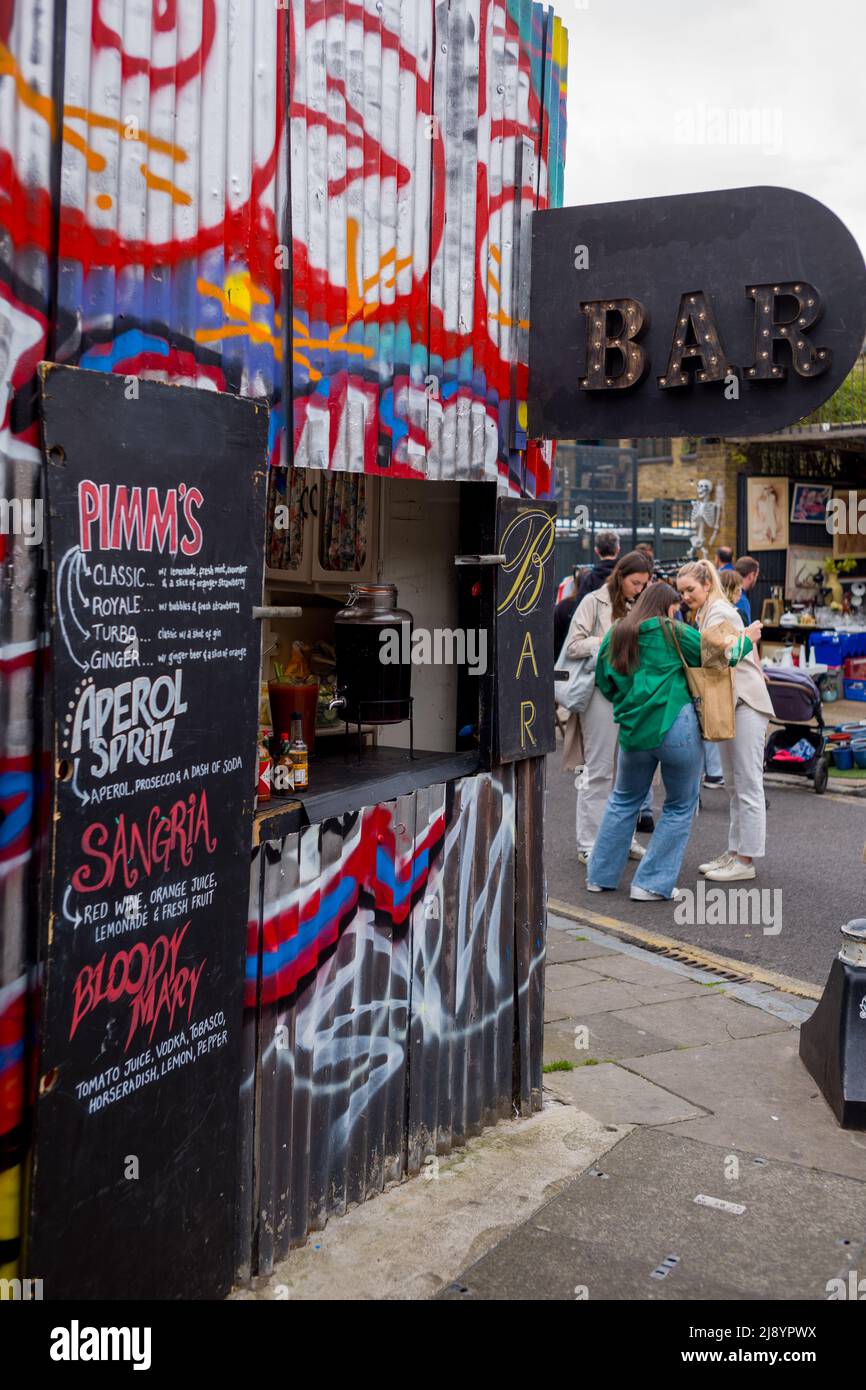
pixel 798 746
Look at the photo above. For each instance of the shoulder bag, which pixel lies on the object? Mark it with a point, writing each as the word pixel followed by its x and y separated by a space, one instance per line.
pixel 712 692
pixel 575 692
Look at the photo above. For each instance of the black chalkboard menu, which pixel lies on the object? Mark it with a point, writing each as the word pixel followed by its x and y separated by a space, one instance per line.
pixel 156 530
pixel 525 594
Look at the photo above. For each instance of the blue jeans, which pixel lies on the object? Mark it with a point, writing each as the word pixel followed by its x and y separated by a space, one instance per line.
pixel 713 760
pixel 681 757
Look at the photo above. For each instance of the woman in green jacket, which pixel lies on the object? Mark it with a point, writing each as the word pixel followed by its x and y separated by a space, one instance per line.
pixel 640 672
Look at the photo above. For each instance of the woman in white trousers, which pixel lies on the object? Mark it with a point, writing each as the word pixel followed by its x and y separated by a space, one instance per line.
pixel 743 755
pixel 591 737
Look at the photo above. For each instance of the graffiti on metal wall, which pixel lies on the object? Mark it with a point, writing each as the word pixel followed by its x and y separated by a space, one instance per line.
pixel 386 993
pixel 422 135
pixel 299 928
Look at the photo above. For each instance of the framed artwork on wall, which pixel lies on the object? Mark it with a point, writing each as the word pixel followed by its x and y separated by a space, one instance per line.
pixel 804 575
pixel 767 513
pixel 809 502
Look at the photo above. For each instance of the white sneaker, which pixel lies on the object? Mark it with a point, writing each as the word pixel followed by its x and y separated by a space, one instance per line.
pixel 733 871
pixel 636 850
pixel 643 895
pixel 716 863
pixel 583 856
pixel 595 888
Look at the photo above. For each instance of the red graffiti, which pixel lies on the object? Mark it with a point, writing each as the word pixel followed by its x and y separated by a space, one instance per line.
pixel 164 839
pixel 148 975
pixel 184 69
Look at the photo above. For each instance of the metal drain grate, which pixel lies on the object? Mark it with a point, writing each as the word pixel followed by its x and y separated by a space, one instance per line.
pixel 686 958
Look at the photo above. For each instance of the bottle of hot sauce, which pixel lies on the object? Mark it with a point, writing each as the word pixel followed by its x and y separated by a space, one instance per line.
pixel 298 755
pixel 263 762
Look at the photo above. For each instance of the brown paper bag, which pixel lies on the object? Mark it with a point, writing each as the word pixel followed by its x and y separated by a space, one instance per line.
pixel 712 691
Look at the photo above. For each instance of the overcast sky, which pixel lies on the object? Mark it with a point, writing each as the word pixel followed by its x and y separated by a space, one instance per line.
pixel 679 96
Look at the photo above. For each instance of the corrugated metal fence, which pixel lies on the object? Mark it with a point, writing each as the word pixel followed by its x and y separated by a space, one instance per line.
pixel 390 989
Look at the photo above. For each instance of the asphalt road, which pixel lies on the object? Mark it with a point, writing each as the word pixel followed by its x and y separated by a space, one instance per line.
pixel 814 857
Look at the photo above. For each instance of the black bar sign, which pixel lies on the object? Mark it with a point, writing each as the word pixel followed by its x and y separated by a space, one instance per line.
pixel 525 590
pixel 732 312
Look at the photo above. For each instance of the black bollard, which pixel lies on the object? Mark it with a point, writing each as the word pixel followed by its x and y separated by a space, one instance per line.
pixel 833 1040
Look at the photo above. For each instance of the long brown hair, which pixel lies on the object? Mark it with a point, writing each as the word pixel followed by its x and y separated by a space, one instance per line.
pixel 635 562
pixel 654 602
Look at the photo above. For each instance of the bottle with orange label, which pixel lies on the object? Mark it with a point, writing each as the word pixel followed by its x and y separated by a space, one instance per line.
pixel 298 755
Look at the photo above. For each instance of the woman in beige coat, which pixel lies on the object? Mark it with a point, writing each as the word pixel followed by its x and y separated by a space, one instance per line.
pixel 743 755
pixel 590 737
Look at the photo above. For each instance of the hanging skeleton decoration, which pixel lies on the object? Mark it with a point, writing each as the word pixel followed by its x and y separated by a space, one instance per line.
pixel 706 516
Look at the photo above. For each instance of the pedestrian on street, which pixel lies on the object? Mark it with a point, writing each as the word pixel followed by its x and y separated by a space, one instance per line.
pixel 564 612
pixel 646 549
pixel 568 586
pixel 639 669
pixel 732 587
pixel 607 553
pixel 742 756
pixel 714 776
pixel 750 571
pixel 590 737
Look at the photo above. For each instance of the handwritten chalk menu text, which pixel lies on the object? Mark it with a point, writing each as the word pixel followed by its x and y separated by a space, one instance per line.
pixel 525 591
pixel 156 524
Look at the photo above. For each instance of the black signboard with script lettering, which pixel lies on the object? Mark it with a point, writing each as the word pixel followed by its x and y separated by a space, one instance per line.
pixel 732 312
pixel 525 591
pixel 156 523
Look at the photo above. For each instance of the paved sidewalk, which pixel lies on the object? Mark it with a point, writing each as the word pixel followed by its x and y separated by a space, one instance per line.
pixel 733 1180
pixel 683 1153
